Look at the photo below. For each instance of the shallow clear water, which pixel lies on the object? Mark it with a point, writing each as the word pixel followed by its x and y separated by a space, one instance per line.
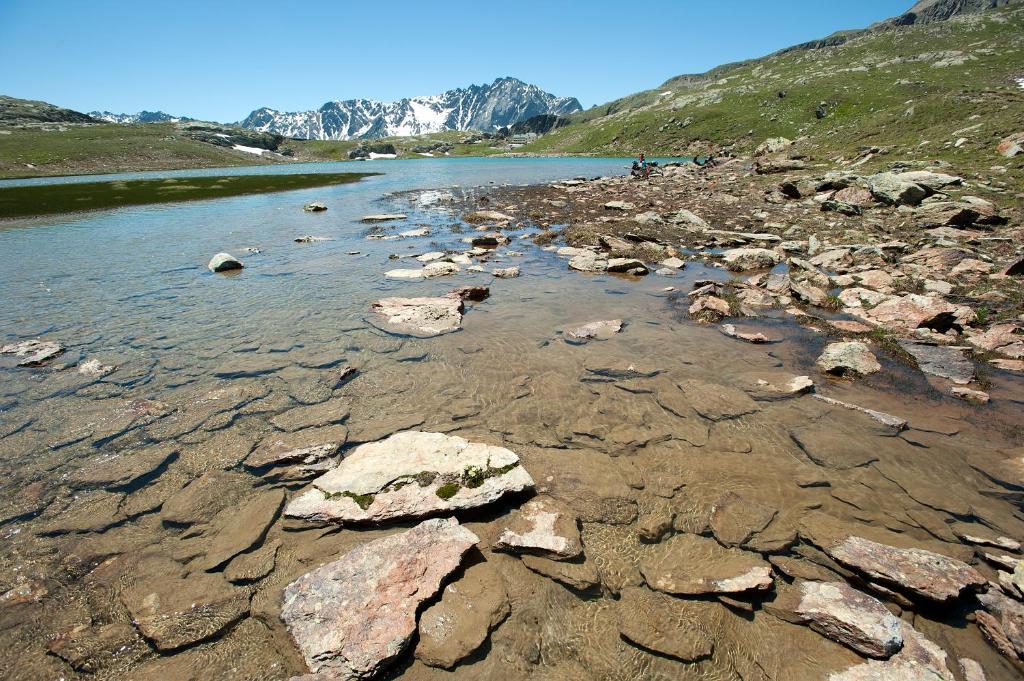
pixel 228 353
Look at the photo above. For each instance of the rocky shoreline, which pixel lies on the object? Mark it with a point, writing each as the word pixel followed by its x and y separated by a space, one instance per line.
pixel 662 492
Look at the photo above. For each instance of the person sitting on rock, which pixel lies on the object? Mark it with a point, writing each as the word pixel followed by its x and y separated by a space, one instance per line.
pixel 644 170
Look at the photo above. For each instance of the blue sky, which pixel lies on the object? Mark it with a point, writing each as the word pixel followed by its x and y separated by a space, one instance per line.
pixel 220 60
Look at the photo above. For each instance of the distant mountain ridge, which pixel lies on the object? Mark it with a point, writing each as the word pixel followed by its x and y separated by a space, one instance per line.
pixel 487 107
pixel 141 117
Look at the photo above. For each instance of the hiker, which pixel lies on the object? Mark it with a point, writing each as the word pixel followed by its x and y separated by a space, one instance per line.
pixel 643 166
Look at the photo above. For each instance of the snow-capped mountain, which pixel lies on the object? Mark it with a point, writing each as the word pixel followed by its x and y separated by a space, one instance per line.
pixel 478 107
pixel 141 117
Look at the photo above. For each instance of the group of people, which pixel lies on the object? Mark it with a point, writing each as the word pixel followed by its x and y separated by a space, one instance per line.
pixel 643 170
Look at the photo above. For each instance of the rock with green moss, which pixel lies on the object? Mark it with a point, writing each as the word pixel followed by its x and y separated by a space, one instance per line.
pixel 409 475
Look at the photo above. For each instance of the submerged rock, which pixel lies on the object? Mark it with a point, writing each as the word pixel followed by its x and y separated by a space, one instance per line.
pixel 918 660
pixel 315 207
pixel 506 272
pixel 422 316
pixel 350 618
pixel 850 358
pixel 580 576
pixel 93 368
pixel 839 612
pixel 599 330
pixel 239 529
pixel 223 262
pixel 542 526
pixel 668 626
pixel 33 352
pixel 917 572
pixel 173 611
pixel 411 474
pixel 689 565
pixel 731 331
pixel 460 622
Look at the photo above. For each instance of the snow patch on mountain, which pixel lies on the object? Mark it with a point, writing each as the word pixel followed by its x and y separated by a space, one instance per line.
pixel 141 117
pixel 487 107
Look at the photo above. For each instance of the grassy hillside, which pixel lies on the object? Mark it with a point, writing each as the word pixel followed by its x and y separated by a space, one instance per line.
pixel 914 88
pixel 109 148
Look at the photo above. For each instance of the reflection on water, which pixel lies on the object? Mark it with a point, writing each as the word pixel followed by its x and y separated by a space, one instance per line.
pixel 205 362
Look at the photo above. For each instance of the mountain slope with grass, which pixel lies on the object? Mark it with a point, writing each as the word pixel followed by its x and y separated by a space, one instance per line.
pixel 946 89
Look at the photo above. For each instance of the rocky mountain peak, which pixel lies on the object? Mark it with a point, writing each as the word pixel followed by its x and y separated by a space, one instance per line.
pixel 486 107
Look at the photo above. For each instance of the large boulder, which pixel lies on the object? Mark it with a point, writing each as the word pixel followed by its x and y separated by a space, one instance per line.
pixel 913 311
pixel 839 612
pixel 931 180
pixel 422 316
pixel 411 474
pixel 890 189
pixel 353 616
pixel 588 261
pixel 739 259
pixel 850 358
pixel 916 572
pixel 772 145
pixel 224 262
pixel 1011 146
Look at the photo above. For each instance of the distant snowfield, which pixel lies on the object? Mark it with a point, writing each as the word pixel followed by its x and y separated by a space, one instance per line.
pixel 1020 82
pixel 251 150
pixel 374 157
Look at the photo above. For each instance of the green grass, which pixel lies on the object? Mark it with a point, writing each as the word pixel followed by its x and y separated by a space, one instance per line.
pixel 878 90
pixel 92 149
pixel 65 198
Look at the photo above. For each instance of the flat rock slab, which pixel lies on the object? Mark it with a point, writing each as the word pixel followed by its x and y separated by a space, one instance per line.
pixel 204 497
pixel 833 447
pixel 594 330
pixel 309 416
pixel 669 626
pixel 460 622
pixel 173 611
pixel 410 475
pixel 895 423
pixel 718 402
pixel 304 447
pixel 919 660
pixel 240 529
pixel 734 519
pixel 123 469
pixel 421 316
pixel 689 565
pixel 384 217
pixel 767 386
pixel 941 361
pixel 33 353
pixel 578 575
pixel 917 572
pixel 543 526
pixel 839 612
pixel 350 618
